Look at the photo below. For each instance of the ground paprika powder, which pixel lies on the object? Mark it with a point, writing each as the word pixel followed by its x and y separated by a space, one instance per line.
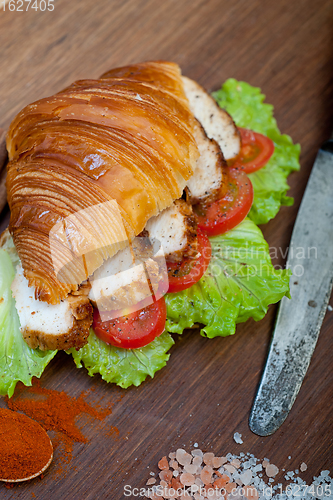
pixel 57 411
pixel 25 448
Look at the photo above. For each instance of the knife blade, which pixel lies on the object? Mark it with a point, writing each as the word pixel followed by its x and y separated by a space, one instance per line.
pixel 299 319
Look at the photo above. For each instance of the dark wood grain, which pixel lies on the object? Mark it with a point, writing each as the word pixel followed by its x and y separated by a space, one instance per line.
pixel 206 391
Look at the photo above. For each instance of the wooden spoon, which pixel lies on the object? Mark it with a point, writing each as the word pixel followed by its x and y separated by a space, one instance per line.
pixel 38 440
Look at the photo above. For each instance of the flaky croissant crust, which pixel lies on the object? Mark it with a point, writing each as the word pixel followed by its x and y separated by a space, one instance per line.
pixel 126 137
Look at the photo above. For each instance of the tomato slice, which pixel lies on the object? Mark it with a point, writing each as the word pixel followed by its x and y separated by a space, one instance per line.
pixel 132 330
pixel 188 272
pixel 227 212
pixel 255 152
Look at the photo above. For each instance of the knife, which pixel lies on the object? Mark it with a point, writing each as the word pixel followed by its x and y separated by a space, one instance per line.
pixel 299 320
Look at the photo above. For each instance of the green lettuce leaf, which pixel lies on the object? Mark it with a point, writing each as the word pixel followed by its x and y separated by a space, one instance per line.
pixel 245 104
pixel 17 361
pixel 124 367
pixel 240 283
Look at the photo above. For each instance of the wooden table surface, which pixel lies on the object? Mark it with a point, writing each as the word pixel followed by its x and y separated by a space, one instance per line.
pixel 205 392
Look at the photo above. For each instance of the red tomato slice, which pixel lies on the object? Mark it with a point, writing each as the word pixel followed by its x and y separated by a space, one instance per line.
pixel 188 272
pixel 255 152
pixel 227 212
pixel 132 330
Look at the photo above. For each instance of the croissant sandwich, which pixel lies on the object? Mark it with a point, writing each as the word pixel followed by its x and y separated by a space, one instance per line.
pixel 93 167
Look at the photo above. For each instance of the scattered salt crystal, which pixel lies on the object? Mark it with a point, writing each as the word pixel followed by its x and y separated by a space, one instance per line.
pixel 197 496
pixel 198 482
pixel 152 473
pixel 187 479
pixel 257 468
pixel 246 477
pixel 217 462
pixel 190 468
pixel 197 453
pixel 197 461
pixel 230 457
pixel 289 457
pixel 329 308
pixel 175 473
pixel 271 480
pixel 247 465
pixel 183 457
pixel 303 467
pixel 195 445
pixel 265 463
pixel 236 463
pixel 271 470
pixel 230 468
pixel 163 464
pixel 165 475
pixel 208 458
pixel 238 438
pixel 206 474
pixel 173 464
pixel 172 455
pixel 150 481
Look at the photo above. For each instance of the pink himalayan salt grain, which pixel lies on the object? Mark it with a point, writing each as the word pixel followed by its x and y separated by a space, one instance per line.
pixel 165 475
pixel 150 481
pixel 236 463
pixel 173 464
pixel 303 467
pixel 183 457
pixel 197 461
pixel 197 496
pixel 163 464
pixel 187 479
pixel 172 455
pixel 265 463
pixel 208 458
pixel 198 482
pixel 271 470
pixel 164 484
pixel 217 462
pixel 230 468
pixel 206 474
pixel 191 469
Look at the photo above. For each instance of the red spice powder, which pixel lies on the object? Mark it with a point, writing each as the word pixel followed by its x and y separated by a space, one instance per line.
pixel 25 448
pixel 56 411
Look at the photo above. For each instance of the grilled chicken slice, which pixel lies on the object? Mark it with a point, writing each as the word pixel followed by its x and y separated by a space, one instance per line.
pixel 175 228
pixel 205 185
pixel 217 123
pixel 126 279
pixel 48 326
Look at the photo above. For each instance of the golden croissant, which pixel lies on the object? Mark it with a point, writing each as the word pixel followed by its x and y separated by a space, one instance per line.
pixel 125 137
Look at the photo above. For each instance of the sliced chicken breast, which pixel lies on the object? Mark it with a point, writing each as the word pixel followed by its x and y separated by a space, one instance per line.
pixel 217 123
pixel 48 326
pixel 207 179
pixel 129 278
pixel 175 228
